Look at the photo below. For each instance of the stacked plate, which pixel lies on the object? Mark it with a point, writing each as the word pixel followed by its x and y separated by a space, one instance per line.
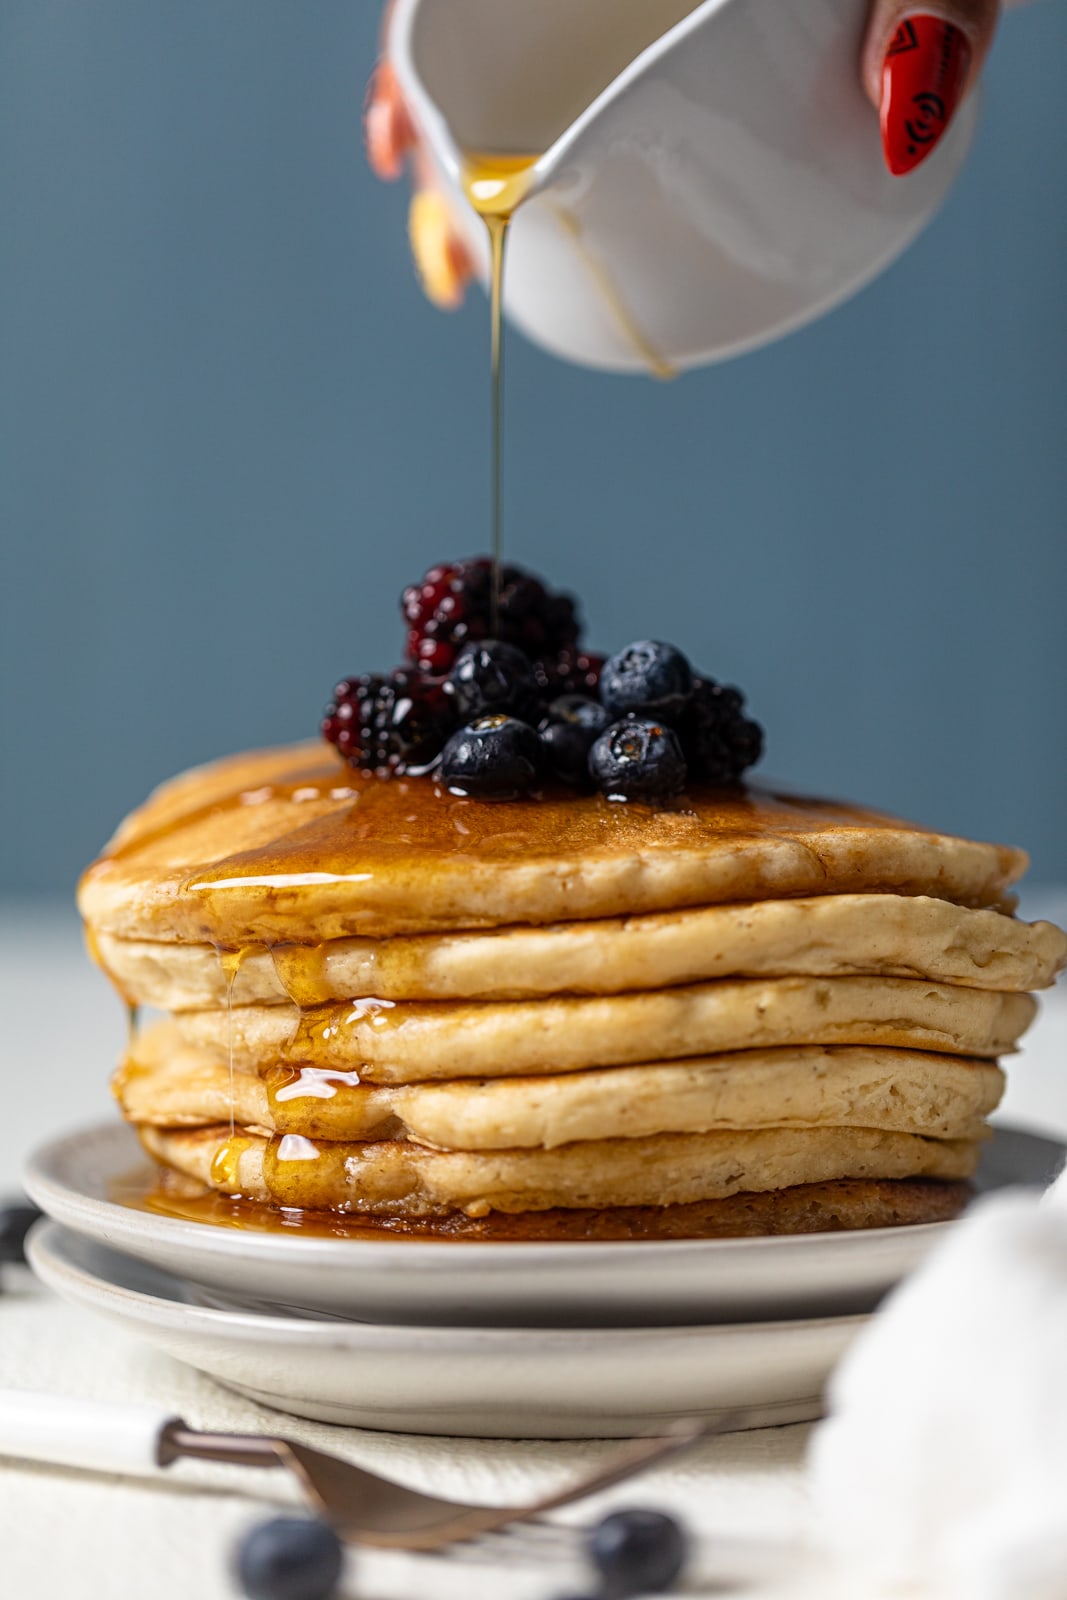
pixel 515 1340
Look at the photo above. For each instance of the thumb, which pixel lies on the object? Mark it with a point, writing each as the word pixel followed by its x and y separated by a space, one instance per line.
pixel 918 63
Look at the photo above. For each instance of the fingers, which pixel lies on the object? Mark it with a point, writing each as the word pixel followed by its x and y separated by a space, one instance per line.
pixel 441 258
pixel 442 261
pixel 387 128
pixel 918 62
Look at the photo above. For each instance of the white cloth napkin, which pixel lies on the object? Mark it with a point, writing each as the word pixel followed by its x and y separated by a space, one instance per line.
pixel 944 1458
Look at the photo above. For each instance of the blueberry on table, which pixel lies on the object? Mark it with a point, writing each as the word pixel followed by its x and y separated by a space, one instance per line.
pixel 289 1558
pixel 637 1552
pixel 493 758
pixel 648 678
pixel 569 730
pixel 636 760
pixel 491 676
pixel 16 1220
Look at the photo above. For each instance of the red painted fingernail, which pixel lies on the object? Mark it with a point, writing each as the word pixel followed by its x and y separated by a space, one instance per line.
pixel 923 75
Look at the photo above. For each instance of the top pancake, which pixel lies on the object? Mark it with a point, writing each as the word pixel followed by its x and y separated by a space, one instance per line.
pixel 289 844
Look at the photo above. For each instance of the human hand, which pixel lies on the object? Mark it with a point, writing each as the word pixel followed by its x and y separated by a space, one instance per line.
pixel 916 66
pixel 441 258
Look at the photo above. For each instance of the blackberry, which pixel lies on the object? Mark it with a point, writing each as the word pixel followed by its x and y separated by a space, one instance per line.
pixel 568 672
pixel 638 760
pixel 493 758
pixel 492 676
pixel 453 605
pixel 719 741
pixel 637 1552
pixel 648 678
pixel 569 729
pixel 289 1558
pixel 394 724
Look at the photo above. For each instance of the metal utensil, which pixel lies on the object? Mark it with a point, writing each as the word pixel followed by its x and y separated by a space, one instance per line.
pixel 363 1507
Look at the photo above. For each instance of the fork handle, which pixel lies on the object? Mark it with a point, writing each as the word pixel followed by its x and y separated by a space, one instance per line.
pixel 89 1434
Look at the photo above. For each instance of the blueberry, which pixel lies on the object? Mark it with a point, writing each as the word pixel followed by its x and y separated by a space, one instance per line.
pixel 648 678
pixel 637 760
pixel 492 758
pixel 491 676
pixel 637 1552
pixel 290 1558
pixel 15 1223
pixel 568 731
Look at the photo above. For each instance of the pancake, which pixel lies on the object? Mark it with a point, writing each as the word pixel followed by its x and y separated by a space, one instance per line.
pixel 413 1042
pixel 904 1091
pixel 291 846
pixel 831 936
pixel 394 1178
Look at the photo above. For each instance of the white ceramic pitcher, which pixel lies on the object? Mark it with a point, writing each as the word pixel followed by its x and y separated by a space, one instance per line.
pixel 710 176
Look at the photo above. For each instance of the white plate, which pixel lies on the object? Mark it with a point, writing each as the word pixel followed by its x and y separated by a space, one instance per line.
pixel 450 1282
pixel 512 1383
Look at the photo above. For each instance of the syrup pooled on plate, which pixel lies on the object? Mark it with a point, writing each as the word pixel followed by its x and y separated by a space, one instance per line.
pixel 745 1216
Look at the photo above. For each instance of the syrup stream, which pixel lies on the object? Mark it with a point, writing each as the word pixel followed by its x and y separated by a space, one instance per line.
pixel 495 185
pixel 498 234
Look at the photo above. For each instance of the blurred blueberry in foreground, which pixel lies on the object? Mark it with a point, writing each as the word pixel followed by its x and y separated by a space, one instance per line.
pixel 16 1220
pixel 289 1558
pixel 637 1552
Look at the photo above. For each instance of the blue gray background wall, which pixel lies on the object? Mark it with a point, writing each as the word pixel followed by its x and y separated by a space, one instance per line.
pixel 231 429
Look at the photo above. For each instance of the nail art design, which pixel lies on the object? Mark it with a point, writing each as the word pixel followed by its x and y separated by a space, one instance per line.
pixel 923 75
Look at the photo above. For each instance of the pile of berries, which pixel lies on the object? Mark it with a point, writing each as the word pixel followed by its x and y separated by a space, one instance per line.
pixel 496 702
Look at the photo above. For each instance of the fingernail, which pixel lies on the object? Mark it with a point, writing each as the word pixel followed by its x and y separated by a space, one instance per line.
pixel 923 75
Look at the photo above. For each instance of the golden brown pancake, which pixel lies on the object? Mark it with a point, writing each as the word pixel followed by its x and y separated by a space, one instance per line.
pixel 413 1041
pixel 169 1084
pixel 291 846
pixel 394 1178
pixel 860 935
pixel 400 1004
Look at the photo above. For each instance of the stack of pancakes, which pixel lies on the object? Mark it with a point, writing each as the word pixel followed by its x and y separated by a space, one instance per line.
pixel 746 1012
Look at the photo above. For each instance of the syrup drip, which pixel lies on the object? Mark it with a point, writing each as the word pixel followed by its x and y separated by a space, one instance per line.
pixel 133 1010
pixel 320 1102
pixel 226 1164
pixel 322 1030
pixel 657 365
pixel 301 970
pixel 316 1083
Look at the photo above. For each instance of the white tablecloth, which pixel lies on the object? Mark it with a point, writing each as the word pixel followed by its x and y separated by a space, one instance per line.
pixel 65 1534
